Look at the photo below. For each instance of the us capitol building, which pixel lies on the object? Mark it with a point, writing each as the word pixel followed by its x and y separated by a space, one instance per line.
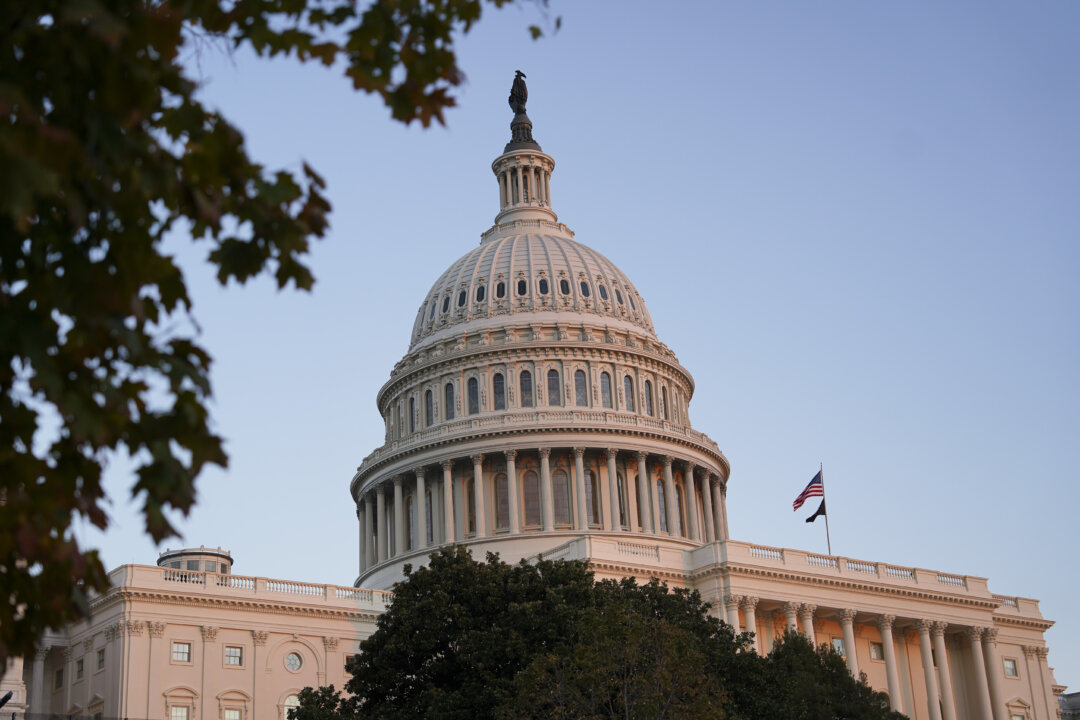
pixel 536 413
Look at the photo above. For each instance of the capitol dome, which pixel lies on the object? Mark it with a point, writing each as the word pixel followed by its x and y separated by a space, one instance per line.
pixel 535 404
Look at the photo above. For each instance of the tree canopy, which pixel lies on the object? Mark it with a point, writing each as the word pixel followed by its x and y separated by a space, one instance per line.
pixel 465 639
pixel 105 150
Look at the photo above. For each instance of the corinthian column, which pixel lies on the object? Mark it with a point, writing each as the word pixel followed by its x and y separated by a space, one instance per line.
pixel 691 504
pixel 671 502
pixel 369 531
pixel 420 505
pixel 791 611
pixel 581 519
pixel 993 672
pixel 847 625
pixel 546 496
pixel 512 487
pixel 478 495
pixel 399 517
pixel 948 701
pixel 613 519
pixel 706 499
pixel 381 535
pixel 891 672
pixel 363 537
pixel 806 614
pixel 448 501
pixel 731 602
pixel 37 680
pixel 749 608
pixel 644 489
pixel 719 492
pixel 929 676
pixel 982 690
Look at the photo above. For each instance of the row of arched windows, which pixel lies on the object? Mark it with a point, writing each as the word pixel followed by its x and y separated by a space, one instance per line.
pixel 527 396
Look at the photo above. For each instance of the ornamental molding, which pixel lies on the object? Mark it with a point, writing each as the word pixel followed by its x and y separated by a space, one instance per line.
pixel 330 643
pixel 133 627
pixel 88 644
pixel 209 633
pixel 156 629
pixel 264 607
pixel 259 637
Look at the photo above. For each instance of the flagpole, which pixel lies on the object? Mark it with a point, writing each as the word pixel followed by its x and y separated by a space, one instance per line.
pixel 821 470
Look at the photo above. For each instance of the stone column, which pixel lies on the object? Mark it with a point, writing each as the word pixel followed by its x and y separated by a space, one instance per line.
pixel 706 498
pixel 1044 676
pixel 512 490
pixel 448 501
pixel 847 625
pixel 806 615
pixel 645 508
pixel 420 505
pixel 749 608
pixel 791 610
pixel 993 672
pixel 891 671
pixel 399 516
pixel 691 504
pixel 520 185
pixel 948 699
pixel 718 507
pixel 363 536
pixel 581 521
pixel 381 535
pixel 369 531
pixel 546 495
pixel 929 676
pixel 723 508
pixel 478 495
pixel 633 515
pixel 731 602
pixel 982 689
pixel 671 503
pixel 613 488
pixel 37 681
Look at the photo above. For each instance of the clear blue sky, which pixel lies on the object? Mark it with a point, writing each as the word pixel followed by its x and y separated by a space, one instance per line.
pixel 856 224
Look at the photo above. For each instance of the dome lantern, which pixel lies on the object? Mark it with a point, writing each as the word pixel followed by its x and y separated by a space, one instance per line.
pixel 523 170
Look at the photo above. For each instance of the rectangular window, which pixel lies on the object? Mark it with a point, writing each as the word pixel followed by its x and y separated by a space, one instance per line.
pixel 58 679
pixel 79 669
pixel 1010 668
pixel 877 651
pixel 211 566
pixel 234 656
pixel 838 645
pixel 232 714
pixel 192 564
pixel 178 713
pixel 349 659
pixel 101 659
pixel 181 652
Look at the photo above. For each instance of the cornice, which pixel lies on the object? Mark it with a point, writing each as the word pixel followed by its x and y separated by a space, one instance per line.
pixel 726 568
pixel 161 597
pixel 1030 623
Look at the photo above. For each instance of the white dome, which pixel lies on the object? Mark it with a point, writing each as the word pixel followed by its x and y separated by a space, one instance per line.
pixel 529 268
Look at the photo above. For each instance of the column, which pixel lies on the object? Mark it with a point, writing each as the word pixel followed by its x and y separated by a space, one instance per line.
pixel 806 614
pixel 1044 675
pixel 891 673
pixel 520 185
pixel 719 520
pixel 749 608
pixel 706 499
pixel 948 700
pixel 369 532
pixel 791 610
pixel 929 677
pixel 731 602
pixel 546 496
pixel 448 500
pixel 993 672
pixel 380 512
pixel 691 503
pixel 512 490
pixel 612 517
pixel 645 508
pixel 420 506
pixel 363 537
pixel 547 188
pixel 632 513
pixel 478 495
pixel 399 516
pixel 982 689
pixel 37 680
pixel 581 521
pixel 723 509
pixel 671 503
pixel 847 625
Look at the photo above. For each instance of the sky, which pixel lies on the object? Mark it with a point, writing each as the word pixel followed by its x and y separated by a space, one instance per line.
pixel 856 224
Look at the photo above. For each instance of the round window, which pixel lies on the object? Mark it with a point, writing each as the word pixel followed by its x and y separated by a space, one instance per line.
pixel 293 661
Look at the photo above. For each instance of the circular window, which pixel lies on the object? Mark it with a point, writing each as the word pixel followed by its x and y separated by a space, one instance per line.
pixel 293 661
pixel 584 289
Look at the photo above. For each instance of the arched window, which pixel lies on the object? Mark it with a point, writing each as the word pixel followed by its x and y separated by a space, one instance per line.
pixel 291 703
pixel 412 415
pixel 481 292
pixel 553 390
pixel 526 389
pixel 661 502
pixel 543 285
pixel 584 289
pixel 429 409
pixel 581 394
pixel 531 492
pixel 663 402
pixel 474 396
pixel 522 287
pixel 502 502
pixel 592 498
pixel 605 389
pixel 560 492
pixel 498 391
pixel 648 398
pixel 628 390
pixel 564 286
pixel 500 290
pixel 448 410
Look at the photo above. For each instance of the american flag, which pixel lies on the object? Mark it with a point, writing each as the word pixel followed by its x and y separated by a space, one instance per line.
pixel 814 489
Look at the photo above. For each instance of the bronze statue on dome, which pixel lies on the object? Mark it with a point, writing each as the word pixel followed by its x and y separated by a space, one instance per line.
pixel 519 94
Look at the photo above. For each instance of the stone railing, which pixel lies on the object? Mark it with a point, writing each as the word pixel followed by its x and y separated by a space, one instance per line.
pixel 539 419
pixel 240 586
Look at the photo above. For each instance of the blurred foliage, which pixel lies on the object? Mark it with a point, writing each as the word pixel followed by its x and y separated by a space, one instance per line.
pixel 105 149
